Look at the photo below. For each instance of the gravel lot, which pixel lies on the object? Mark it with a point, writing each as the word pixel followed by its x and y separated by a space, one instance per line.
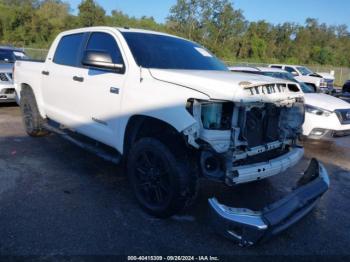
pixel 56 199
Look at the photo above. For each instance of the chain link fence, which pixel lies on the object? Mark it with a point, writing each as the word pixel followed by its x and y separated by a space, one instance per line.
pixel 35 53
pixel 341 74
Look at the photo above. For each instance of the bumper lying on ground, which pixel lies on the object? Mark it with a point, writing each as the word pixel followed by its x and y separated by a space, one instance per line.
pixel 248 227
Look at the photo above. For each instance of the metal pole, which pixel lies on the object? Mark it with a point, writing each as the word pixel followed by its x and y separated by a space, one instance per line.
pixel 341 76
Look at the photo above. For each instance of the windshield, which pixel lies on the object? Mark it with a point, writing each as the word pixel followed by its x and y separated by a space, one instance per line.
pixel 290 77
pixel 304 70
pixel 6 56
pixel 10 56
pixel 166 52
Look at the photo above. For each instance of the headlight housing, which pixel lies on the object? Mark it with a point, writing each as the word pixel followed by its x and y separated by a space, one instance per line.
pixel 214 115
pixel 317 111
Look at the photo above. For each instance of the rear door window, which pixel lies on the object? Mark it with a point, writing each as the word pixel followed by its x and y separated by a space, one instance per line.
pixel 68 50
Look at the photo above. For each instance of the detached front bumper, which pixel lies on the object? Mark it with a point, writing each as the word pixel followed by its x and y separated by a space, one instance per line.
pixel 249 227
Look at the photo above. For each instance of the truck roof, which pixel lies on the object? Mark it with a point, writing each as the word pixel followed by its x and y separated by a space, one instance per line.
pixel 120 29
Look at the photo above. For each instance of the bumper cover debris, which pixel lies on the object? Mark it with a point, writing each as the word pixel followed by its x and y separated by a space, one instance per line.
pixel 249 227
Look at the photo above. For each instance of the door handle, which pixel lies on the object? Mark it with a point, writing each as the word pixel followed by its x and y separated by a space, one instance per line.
pixel 78 79
pixel 114 90
pixel 46 73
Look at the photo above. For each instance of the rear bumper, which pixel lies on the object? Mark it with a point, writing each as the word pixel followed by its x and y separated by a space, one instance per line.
pixel 249 227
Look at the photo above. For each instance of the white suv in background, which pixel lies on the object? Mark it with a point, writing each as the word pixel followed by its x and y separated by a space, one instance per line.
pixel 319 83
pixel 325 117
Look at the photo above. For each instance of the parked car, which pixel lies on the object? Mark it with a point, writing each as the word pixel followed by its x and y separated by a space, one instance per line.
pixel 305 75
pixel 346 87
pixel 326 116
pixel 7 90
pixel 8 56
pixel 172 112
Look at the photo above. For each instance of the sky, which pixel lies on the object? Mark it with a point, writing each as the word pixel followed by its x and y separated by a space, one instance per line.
pixel 331 12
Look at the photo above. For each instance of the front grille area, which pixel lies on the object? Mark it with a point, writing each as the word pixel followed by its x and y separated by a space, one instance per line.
pixel 261 125
pixel 3 77
pixel 344 116
pixel 267 89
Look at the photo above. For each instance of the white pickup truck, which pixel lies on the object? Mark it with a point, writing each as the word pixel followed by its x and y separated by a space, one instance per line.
pixel 172 113
pixel 319 82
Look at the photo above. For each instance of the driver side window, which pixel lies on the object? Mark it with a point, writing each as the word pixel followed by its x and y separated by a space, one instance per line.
pixel 100 41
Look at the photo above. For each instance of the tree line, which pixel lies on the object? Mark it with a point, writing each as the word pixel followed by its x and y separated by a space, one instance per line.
pixel 216 24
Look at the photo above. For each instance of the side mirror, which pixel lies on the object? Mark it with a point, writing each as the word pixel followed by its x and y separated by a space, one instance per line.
pixel 295 73
pixel 101 59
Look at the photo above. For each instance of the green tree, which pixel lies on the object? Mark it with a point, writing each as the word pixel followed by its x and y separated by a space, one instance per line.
pixel 91 14
pixel 213 23
pixel 185 18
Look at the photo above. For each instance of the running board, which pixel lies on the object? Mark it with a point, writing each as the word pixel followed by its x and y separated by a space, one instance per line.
pixel 103 151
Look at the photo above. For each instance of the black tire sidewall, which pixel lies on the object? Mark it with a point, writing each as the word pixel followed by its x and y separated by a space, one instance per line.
pixel 179 177
pixel 28 100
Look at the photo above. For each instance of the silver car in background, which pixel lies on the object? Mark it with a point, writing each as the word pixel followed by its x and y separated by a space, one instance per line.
pixel 8 56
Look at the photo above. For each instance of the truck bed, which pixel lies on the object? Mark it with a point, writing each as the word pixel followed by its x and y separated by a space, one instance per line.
pixel 28 72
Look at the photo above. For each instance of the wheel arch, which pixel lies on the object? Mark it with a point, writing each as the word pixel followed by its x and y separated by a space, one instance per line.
pixel 37 97
pixel 140 126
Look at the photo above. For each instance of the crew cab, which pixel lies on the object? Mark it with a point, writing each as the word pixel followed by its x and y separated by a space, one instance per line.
pixel 326 117
pixel 172 112
pixel 8 56
pixel 303 74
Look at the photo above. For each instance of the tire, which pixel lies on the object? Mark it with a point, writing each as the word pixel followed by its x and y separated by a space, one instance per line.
pixel 32 120
pixel 162 182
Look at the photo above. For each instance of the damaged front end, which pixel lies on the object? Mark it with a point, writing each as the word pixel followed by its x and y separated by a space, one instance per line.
pixel 253 137
pixel 249 227
pixel 248 139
